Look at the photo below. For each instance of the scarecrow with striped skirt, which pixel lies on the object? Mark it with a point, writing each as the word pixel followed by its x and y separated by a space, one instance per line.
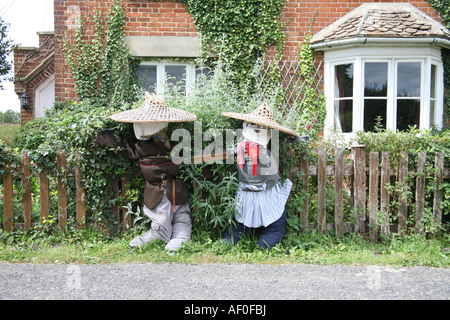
pixel 261 197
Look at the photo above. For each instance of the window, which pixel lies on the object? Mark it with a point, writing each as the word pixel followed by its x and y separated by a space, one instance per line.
pixel 408 94
pixel 433 95
pixel 343 97
pixel 375 94
pixel 393 88
pixel 156 76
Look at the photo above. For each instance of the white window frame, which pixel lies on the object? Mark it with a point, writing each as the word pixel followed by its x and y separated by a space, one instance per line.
pixel 426 55
pixel 161 72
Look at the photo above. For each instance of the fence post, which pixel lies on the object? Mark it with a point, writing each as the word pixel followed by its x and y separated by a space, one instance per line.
pixel 373 196
pixel 44 190
pixel 385 180
pixel 338 188
pixel 26 190
pixel 321 190
pixel 62 188
pixel 439 167
pixel 8 219
pixel 359 153
pixel 420 189
pixel 80 204
pixel 304 214
pixel 403 199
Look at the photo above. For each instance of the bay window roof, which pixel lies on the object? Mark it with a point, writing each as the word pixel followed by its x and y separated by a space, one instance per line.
pixel 379 22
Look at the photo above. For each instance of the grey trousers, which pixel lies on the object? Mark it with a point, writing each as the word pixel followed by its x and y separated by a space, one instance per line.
pixel 172 228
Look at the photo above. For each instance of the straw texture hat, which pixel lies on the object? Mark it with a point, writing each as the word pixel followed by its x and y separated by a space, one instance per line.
pixel 262 116
pixel 155 110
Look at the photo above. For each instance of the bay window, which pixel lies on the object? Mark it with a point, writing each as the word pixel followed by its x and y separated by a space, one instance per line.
pixel 392 88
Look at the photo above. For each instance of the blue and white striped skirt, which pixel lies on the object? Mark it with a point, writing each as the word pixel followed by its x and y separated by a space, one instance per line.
pixel 257 209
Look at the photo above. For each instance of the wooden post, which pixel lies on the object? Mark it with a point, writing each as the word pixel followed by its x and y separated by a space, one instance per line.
pixel 125 188
pixel 8 219
pixel 304 214
pixel 420 189
pixel 80 204
pixel 385 180
pixel 62 188
pixel 321 191
pixel 403 199
pixel 338 188
pixel 359 187
pixel 373 196
pixel 44 190
pixel 26 190
pixel 439 167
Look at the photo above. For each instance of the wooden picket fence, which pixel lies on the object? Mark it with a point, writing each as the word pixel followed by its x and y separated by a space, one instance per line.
pixel 118 213
pixel 369 192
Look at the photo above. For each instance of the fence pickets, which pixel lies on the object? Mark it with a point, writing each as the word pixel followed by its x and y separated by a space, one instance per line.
pixel 371 203
pixel 44 190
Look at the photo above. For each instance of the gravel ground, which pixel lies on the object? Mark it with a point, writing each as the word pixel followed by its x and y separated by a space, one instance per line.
pixel 220 282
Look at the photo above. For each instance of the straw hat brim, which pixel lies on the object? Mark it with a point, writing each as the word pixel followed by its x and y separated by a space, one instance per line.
pixel 259 120
pixel 148 115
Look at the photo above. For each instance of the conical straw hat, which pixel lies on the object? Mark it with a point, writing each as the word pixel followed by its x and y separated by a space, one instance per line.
pixel 262 116
pixel 154 109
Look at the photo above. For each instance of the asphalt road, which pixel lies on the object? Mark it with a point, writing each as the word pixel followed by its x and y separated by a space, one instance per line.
pixel 220 282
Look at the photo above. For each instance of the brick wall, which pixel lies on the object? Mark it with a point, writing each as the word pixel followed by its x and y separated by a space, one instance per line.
pixel 169 18
pixel 297 15
pixel 143 18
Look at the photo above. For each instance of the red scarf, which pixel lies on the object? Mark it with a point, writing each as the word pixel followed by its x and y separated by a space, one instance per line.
pixel 252 151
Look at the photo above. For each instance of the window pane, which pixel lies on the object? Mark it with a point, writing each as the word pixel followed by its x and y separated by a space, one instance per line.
pixel 408 113
pixel 375 79
pixel 175 74
pixel 433 81
pixel 343 111
pixel 344 81
pixel 374 112
pixel 147 77
pixel 408 79
pixel 432 112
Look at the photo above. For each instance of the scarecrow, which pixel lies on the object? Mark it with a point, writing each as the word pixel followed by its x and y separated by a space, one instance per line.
pixel 261 197
pixel 165 196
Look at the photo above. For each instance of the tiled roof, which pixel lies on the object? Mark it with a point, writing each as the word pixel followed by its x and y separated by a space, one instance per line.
pixel 399 20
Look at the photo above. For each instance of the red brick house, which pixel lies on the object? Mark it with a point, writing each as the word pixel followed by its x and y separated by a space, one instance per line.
pixel 374 54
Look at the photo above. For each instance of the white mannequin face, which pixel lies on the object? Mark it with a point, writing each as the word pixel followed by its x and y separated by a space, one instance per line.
pixel 144 131
pixel 256 133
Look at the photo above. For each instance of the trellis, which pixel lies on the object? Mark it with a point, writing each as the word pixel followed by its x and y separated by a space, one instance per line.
pixel 287 73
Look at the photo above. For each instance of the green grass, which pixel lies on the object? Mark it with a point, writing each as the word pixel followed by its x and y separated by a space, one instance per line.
pixel 90 247
pixel 8 131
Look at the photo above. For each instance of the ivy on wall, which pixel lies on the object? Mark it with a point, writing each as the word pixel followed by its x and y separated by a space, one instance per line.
pixel 443 8
pixel 102 67
pixel 239 31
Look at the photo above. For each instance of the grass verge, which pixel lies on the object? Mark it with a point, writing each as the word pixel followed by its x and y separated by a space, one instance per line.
pixel 91 247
